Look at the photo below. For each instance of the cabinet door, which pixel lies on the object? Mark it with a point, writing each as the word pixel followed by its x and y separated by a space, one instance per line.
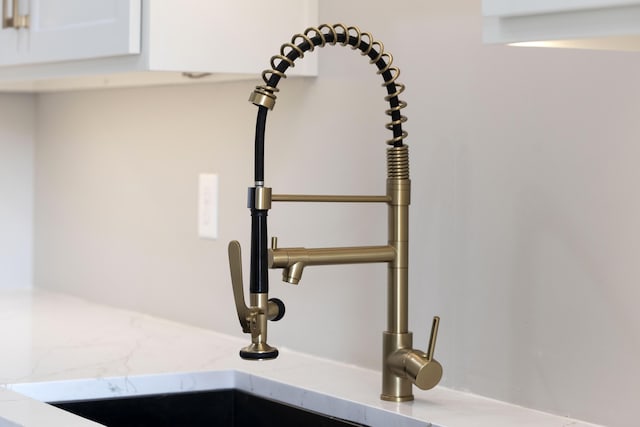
pixel 62 30
pixel 533 7
pixel 9 48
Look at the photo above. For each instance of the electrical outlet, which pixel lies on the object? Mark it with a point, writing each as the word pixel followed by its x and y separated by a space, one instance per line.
pixel 208 206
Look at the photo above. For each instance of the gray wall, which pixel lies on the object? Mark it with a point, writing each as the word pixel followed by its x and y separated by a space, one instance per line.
pixel 525 209
pixel 17 116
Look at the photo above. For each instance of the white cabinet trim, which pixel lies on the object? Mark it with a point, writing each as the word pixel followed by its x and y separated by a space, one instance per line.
pixel 590 26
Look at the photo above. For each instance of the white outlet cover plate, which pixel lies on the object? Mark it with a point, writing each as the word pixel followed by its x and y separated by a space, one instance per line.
pixel 208 206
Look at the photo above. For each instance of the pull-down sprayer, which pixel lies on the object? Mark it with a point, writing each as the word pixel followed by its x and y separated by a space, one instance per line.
pixel 402 365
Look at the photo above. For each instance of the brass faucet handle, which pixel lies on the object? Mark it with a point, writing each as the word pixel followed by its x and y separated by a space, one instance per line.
pixel 421 368
pixel 426 374
pixel 247 315
pixel 235 266
pixel 431 348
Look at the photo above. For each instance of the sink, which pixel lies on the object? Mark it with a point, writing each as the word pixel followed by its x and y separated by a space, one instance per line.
pixel 222 408
pixel 230 398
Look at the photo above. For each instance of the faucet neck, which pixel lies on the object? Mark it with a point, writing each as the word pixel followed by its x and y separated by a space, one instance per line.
pixel 399 194
pixel 258 163
pixel 264 96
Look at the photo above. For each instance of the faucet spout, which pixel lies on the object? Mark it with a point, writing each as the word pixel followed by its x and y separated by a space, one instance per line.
pixel 294 260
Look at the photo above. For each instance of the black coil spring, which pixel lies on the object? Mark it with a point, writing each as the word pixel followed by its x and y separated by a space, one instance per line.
pixel 340 34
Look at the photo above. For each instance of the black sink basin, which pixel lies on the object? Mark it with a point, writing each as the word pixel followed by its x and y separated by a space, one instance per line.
pixel 219 408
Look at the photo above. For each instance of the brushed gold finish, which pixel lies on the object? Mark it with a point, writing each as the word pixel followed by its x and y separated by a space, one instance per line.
pixel 262 198
pixel 16 21
pixel 258 349
pixel 253 318
pixel 425 374
pixel 7 22
pixel 263 98
pixel 264 95
pixel 402 365
pixel 329 198
pixel 396 387
pixel 431 347
pixel 235 266
pixel 294 260
pixel 19 21
pixel 282 258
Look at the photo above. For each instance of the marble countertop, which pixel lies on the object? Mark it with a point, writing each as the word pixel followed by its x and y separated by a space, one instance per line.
pixel 58 347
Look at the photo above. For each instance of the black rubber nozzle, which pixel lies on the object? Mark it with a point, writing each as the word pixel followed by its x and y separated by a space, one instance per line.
pixel 263 355
pixel 280 305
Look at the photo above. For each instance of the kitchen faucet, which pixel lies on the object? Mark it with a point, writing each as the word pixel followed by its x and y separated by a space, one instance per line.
pixel 402 365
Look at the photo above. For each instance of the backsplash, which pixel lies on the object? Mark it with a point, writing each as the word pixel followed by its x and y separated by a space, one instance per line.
pixel 17 116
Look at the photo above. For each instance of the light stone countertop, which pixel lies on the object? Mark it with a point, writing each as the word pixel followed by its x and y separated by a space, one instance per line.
pixel 58 347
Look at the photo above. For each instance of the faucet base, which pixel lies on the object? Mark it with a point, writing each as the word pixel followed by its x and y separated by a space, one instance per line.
pixel 389 398
pixel 395 388
pixel 404 366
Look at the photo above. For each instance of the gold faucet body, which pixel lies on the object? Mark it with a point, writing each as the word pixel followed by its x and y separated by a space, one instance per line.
pixel 402 365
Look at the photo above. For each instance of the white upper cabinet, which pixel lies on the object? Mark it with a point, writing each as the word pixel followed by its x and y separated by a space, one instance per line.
pixel 75 44
pixel 9 36
pixel 589 24
pixel 532 7
pixel 63 30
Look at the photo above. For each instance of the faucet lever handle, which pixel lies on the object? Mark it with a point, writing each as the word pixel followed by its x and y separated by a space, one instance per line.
pixel 235 266
pixel 431 348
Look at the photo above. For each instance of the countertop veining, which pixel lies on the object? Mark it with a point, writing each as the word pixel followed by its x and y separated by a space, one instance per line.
pixel 56 346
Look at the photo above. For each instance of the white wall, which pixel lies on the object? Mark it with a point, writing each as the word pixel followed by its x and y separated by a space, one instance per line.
pixel 525 209
pixel 17 116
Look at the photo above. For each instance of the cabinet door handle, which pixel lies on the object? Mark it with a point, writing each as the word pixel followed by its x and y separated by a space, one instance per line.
pixel 19 21
pixel 6 21
pixel 16 21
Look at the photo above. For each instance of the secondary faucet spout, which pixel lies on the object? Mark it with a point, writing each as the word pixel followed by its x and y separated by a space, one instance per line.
pixel 294 260
pixel 402 365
